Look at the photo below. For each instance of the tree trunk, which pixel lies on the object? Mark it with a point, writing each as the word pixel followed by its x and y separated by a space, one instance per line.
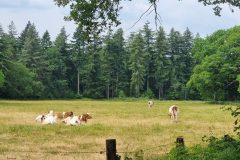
pixel 116 92
pixel 159 93
pixel 78 82
pixel 107 91
pixel 147 83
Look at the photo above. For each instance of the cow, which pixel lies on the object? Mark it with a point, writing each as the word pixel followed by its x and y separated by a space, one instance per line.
pixel 150 104
pixel 46 119
pixel 49 119
pixel 64 115
pixel 40 118
pixel 85 117
pixel 73 121
pixel 173 112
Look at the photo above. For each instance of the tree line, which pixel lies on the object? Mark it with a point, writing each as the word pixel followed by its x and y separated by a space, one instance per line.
pixel 148 63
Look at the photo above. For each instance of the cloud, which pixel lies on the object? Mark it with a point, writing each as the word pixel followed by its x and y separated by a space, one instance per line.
pixel 26 4
pixel 180 15
pixel 50 17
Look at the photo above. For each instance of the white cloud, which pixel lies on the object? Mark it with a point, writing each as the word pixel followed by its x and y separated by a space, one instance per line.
pixel 50 18
pixel 180 15
pixel 187 13
pixel 27 4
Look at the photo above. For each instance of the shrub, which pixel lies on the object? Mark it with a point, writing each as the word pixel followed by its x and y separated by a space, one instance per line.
pixel 220 149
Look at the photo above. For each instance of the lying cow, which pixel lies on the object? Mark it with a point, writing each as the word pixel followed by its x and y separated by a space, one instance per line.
pixel 64 115
pixel 85 117
pixel 47 119
pixel 73 121
pixel 77 120
pixel 173 112
pixel 40 118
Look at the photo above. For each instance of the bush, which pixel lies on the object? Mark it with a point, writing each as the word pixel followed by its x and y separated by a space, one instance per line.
pixel 225 148
pixel 148 94
pixel 121 94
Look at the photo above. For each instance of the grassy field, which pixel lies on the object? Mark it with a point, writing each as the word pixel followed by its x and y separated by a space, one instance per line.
pixel 131 123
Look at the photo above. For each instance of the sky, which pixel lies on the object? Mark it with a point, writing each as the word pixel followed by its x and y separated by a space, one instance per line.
pixel 180 15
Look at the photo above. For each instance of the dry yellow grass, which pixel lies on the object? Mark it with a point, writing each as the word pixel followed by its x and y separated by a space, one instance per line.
pixel 131 123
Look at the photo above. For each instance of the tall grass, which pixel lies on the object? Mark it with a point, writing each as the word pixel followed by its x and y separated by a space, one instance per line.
pixel 135 127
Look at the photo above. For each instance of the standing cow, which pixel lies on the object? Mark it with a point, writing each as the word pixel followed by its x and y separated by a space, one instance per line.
pixel 150 104
pixel 173 112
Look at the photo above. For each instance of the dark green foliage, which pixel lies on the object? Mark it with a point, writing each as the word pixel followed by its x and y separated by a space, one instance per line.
pixel 162 63
pixel 1 78
pixel 235 112
pixel 148 64
pixel 114 64
pixel 219 149
pixel 46 41
pixel 20 82
pixel 216 75
pixel 136 64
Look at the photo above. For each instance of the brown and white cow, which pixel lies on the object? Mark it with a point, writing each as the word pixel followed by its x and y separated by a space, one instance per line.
pixel 84 117
pixel 173 112
pixel 64 115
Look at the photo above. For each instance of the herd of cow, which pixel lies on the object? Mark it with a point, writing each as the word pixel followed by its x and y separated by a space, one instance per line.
pixel 66 117
pixel 69 119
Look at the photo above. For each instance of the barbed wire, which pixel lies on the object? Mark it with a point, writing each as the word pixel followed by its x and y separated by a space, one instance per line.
pixel 56 152
pixel 145 149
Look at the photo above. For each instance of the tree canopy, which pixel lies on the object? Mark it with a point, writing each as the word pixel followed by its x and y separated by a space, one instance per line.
pixel 97 15
pixel 152 64
pixel 216 76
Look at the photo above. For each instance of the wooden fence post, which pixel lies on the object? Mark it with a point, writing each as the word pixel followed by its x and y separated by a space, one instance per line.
pixel 180 141
pixel 111 149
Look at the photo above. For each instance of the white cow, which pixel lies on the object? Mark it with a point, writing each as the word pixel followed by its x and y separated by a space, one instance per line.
pixel 50 120
pixel 47 119
pixel 73 121
pixel 173 112
pixel 40 118
pixel 150 104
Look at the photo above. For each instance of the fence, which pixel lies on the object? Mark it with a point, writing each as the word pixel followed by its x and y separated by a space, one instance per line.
pixel 110 152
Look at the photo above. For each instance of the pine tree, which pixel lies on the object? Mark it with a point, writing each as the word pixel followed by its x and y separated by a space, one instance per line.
pixel 161 62
pixel 93 80
pixel 148 56
pixel 78 57
pixel 31 51
pixel 58 59
pixel 22 37
pixel 187 60
pixel 46 40
pixel 174 54
pixel 1 31
pixel 12 32
pixel 115 63
pixel 136 63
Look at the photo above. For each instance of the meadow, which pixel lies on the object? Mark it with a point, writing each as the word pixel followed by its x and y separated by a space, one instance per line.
pixel 134 126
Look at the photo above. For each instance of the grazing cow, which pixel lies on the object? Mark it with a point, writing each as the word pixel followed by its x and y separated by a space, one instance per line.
pixel 173 112
pixel 64 115
pixel 150 104
pixel 73 121
pixel 85 117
